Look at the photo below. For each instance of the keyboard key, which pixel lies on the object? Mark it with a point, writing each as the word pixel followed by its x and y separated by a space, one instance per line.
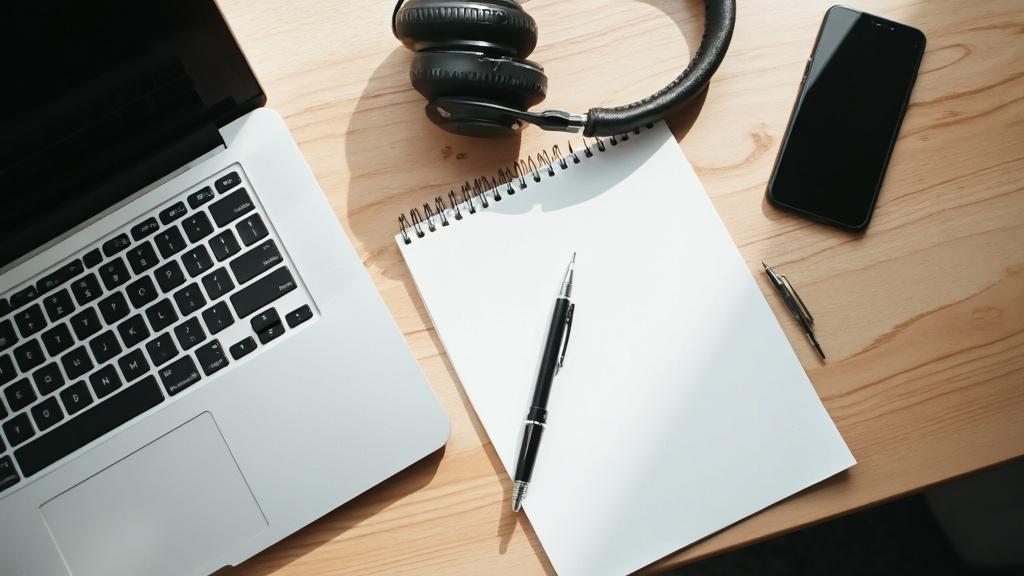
pixel 173 212
pixel 256 261
pixel 75 397
pixel 141 292
pixel 48 379
pixel 89 426
pixel 58 305
pixel 225 183
pixel 242 347
pixel 133 331
pixel 270 332
pixel 104 381
pixel 47 413
pixel 211 357
pixel 197 261
pixel 217 317
pixel 169 276
pixel 85 323
pixel 30 320
pixel 92 258
pixel 3 414
pixel 161 349
pixel 231 207
pixel 179 375
pixel 76 363
pixel 104 347
pixel 218 283
pixel 262 292
pixel 59 276
pixel 24 296
pixel 197 199
pixel 144 228
pixel 266 318
pixel 19 395
pixel 170 241
pixel 133 365
pixel 197 226
pixel 298 316
pixel 161 315
pixel 86 289
pixel 5 306
pixel 224 245
pixel 28 355
pixel 7 335
pixel 7 371
pixel 142 257
pixel 189 299
pixel 8 475
pixel 114 273
pixel 190 333
pixel 57 339
pixel 251 229
pixel 18 429
pixel 113 307
pixel 115 245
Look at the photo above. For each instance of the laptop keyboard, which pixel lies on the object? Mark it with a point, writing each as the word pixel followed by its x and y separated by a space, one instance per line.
pixel 137 319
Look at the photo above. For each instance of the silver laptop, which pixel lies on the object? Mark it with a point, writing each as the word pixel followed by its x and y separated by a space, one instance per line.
pixel 193 361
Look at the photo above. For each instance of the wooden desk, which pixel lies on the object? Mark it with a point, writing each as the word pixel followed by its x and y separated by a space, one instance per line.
pixel 922 316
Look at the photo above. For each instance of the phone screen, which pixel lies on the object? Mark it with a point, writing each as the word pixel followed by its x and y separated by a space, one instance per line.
pixel 846 118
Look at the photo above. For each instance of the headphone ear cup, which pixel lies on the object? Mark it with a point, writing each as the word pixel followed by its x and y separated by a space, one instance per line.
pixel 498 26
pixel 513 82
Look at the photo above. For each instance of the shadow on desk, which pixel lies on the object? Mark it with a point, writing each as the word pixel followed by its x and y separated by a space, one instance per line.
pixel 340 520
pixel 398 160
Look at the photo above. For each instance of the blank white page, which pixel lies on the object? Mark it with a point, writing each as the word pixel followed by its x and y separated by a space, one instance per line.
pixel 681 408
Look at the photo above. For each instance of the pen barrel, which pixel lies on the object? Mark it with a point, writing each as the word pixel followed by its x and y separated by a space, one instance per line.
pixel 552 349
pixel 532 432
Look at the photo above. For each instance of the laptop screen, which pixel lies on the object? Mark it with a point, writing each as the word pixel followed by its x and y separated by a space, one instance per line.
pixel 101 98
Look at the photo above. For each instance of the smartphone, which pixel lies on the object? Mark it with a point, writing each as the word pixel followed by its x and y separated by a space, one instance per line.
pixel 847 115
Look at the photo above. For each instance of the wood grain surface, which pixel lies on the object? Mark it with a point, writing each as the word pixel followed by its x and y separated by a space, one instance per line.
pixel 922 316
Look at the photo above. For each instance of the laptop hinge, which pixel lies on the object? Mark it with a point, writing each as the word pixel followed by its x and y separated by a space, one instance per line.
pixel 169 160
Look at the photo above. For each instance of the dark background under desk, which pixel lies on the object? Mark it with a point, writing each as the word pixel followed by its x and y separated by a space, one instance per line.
pixel 973 526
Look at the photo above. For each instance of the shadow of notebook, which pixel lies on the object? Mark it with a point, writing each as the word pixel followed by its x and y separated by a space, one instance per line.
pixel 681 408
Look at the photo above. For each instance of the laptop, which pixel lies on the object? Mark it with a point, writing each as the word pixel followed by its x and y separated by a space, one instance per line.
pixel 193 361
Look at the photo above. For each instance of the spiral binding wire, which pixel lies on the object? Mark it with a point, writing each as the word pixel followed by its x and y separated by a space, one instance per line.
pixel 481 192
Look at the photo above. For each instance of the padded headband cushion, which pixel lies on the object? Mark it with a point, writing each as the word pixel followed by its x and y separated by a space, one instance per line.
pixel 513 82
pixel 719 21
pixel 501 26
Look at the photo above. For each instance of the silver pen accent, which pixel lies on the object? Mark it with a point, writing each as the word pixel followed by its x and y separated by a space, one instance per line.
pixel 518 495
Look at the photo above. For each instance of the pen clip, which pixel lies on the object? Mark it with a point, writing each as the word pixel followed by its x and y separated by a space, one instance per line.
pixel 802 308
pixel 565 338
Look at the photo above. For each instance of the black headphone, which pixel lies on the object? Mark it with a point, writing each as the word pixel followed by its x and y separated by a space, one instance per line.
pixel 471 66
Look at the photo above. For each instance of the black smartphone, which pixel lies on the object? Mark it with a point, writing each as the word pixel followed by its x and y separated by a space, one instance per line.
pixel 846 118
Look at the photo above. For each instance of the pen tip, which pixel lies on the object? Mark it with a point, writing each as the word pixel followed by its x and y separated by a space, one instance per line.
pixel 573 261
pixel 765 264
pixel 518 495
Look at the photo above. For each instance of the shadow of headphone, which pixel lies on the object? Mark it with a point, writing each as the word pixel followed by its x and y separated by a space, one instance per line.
pixel 471 66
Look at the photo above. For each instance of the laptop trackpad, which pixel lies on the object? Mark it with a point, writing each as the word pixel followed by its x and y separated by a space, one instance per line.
pixel 168 508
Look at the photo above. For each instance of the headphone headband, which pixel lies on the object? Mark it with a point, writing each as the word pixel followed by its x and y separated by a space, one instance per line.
pixel 719 22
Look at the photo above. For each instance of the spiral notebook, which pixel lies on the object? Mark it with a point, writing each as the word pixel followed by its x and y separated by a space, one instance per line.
pixel 681 407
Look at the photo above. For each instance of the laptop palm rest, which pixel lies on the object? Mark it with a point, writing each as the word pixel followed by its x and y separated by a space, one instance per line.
pixel 168 508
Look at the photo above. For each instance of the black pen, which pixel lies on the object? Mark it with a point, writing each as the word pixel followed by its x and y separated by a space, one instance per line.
pixel 550 363
pixel 795 305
